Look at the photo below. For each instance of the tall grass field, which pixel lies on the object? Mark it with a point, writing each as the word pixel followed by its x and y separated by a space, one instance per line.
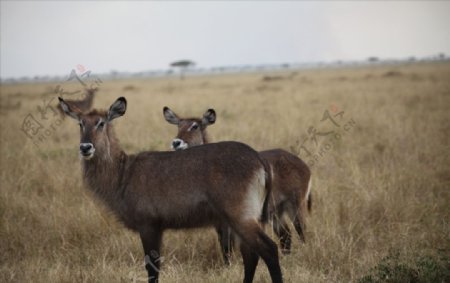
pixel 377 139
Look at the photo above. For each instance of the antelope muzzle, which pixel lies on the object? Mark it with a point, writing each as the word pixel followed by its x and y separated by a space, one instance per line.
pixel 87 150
pixel 179 144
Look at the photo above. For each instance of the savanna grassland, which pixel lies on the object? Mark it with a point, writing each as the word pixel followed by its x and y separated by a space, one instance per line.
pixel 381 174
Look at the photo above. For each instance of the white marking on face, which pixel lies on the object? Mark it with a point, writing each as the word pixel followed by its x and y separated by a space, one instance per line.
pixel 80 122
pixel 100 122
pixel 194 126
pixel 87 155
pixel 178 144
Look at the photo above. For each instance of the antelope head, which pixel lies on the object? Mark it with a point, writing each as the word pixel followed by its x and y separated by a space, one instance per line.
pixel 191 131
pixel 96 134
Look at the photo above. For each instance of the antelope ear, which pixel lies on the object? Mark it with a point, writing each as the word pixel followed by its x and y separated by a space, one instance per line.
pixel 170 116
pixel 209 117
pixel 70 111
pixel 117 109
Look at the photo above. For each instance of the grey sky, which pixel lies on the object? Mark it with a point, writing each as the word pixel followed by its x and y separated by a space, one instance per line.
pixel 51 38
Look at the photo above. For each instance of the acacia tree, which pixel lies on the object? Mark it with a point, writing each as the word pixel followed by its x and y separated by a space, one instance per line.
pixel 183 65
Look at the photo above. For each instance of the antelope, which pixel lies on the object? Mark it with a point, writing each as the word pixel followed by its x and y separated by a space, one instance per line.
pixel 150 192
pixel 291 181
pixel 84 104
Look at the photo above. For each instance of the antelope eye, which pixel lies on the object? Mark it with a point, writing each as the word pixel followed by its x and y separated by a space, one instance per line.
pixel 195 127
pixel 101 124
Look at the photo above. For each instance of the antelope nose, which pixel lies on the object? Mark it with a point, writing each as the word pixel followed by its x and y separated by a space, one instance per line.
pixel 86 147
pixel 176 143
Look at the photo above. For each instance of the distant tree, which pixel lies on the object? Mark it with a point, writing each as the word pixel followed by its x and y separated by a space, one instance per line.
pixel 373 59
pixel 183 65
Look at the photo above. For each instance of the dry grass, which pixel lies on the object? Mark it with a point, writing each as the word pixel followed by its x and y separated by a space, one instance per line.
pixel 383 186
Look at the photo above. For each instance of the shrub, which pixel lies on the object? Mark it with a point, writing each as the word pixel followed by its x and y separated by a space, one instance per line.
pixel 424 269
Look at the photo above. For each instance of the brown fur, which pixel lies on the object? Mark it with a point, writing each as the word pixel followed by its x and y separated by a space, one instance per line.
pixel 193 136
pixel 153 191
pixel 291 177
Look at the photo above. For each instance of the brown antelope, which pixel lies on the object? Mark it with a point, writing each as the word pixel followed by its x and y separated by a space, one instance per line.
pixel 153 191
pixel 84 104
pixel 290 180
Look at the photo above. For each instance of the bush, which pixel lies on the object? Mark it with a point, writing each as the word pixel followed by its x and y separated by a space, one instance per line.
pixel 424 269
